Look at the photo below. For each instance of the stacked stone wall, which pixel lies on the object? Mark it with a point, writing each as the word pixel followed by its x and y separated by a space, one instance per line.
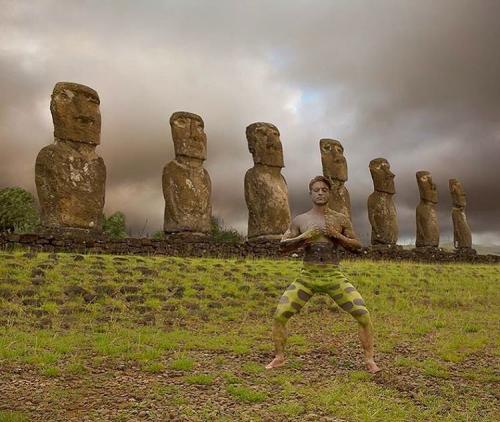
pixel 196 247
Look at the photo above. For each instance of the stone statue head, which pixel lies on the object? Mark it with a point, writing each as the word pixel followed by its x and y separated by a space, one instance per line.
pixel 383 177
pixel 333 160
pixel 457 194
pixel 427 188
pixel 188 134
pixel 264 144
pixel 75 113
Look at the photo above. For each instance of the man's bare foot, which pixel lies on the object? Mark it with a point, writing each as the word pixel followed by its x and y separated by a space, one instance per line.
pixel 372 367
pixel 276 362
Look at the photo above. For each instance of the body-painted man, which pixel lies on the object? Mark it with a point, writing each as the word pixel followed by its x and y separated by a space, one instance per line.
pixel 320 231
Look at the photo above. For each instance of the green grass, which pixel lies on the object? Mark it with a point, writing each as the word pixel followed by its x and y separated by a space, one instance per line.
pixel 182 364
pixel 199 379
pixel 246 394
pixel 206 324
pixel 11 416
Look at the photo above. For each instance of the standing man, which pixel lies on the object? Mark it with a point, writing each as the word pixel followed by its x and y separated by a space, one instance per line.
pixel 321 230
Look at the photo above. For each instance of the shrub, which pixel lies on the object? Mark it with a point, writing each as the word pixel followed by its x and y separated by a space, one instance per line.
pixel 158 235
pixel 114 226
pixel 18 212
pixel 220 233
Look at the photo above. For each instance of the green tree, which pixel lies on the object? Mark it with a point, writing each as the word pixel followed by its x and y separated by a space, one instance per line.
pixel 220 233
pixel 114 226
pixel 18 211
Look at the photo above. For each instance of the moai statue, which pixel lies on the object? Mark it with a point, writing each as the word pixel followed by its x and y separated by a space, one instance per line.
pixel 335 168
pixel 427 221
pixel 70 177
pixel 462 238
pixel 266 191
pixel 381 208
pixel 187 188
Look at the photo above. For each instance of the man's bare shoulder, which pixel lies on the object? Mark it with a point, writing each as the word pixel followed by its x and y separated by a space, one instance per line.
pixel 337 215
pixel 301 218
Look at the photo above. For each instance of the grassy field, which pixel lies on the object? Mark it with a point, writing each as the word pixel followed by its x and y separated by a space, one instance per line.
pixel 124 338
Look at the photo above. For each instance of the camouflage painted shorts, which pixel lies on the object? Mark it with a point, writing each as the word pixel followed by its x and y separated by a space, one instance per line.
pixel 327 279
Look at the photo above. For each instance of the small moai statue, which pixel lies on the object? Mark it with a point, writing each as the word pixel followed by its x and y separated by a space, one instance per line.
pixel 381 208
pixel 462 237
pixel 187 188
pixel 426 215
pixel 266 191
pixel 335 169
pixel 70 177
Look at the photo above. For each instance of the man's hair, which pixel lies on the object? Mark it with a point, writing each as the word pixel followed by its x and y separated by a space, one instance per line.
pixel 320 179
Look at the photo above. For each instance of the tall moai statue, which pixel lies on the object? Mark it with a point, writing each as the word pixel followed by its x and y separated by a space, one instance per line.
pixel 335 169
pixel 427 221
pixel 381 208
pixel 462 237
pixel 266 191
pixel 187 188
pixel 70 177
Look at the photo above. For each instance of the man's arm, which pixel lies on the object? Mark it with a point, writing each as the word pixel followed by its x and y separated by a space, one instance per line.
pixel 293 239
pixel 347 238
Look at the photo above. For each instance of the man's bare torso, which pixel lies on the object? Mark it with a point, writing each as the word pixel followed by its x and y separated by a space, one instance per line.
pixel 312 219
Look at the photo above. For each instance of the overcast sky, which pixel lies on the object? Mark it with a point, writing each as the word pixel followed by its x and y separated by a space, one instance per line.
pixel 415 82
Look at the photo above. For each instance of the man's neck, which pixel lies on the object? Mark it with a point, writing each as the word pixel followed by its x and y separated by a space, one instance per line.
pixel 319 209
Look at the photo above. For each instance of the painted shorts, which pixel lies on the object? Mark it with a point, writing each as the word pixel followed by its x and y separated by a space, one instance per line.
pixel 326 279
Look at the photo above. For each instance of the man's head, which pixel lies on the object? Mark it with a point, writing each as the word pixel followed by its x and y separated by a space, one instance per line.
pixel 75 113
pixel 333 160
pixel 427 188
pixel 188 135
pixel 264 144
pixel 457 194
pixel 383 178
pixel 319 189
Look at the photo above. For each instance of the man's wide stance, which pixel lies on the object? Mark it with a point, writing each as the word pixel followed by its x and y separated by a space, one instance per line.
pixel 321 230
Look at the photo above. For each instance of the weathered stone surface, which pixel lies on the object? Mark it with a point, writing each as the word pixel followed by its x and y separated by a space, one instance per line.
pixel 381 209
pixel 187 188
pixel 426 215
pixel 335 168
pixel 266 191
pixel 70 177
pixel 205 247
pixel 462 237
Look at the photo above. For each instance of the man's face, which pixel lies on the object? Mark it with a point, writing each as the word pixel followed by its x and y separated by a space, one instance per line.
pixel 267 148
pixel 189 137
pixel 320 193
pixel 76 115
pixel 333 160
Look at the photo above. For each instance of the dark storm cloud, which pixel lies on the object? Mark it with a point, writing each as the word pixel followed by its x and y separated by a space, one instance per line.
pixel 414 82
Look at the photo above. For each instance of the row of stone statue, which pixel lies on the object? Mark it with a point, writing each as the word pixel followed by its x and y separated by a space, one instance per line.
pixel 70 179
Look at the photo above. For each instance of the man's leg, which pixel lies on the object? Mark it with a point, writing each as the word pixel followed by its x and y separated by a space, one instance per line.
pixel 348 298
pixel 291 302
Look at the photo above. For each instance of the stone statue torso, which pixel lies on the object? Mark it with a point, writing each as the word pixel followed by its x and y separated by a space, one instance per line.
pixel 266 194
pixel 187 192
pixel 382 216
pixel 427 225
pixel 462 237
pixel 70 181
pixel 340 200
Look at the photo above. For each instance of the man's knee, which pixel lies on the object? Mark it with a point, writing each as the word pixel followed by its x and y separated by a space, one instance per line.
pixel 283 315
pixel 362 316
